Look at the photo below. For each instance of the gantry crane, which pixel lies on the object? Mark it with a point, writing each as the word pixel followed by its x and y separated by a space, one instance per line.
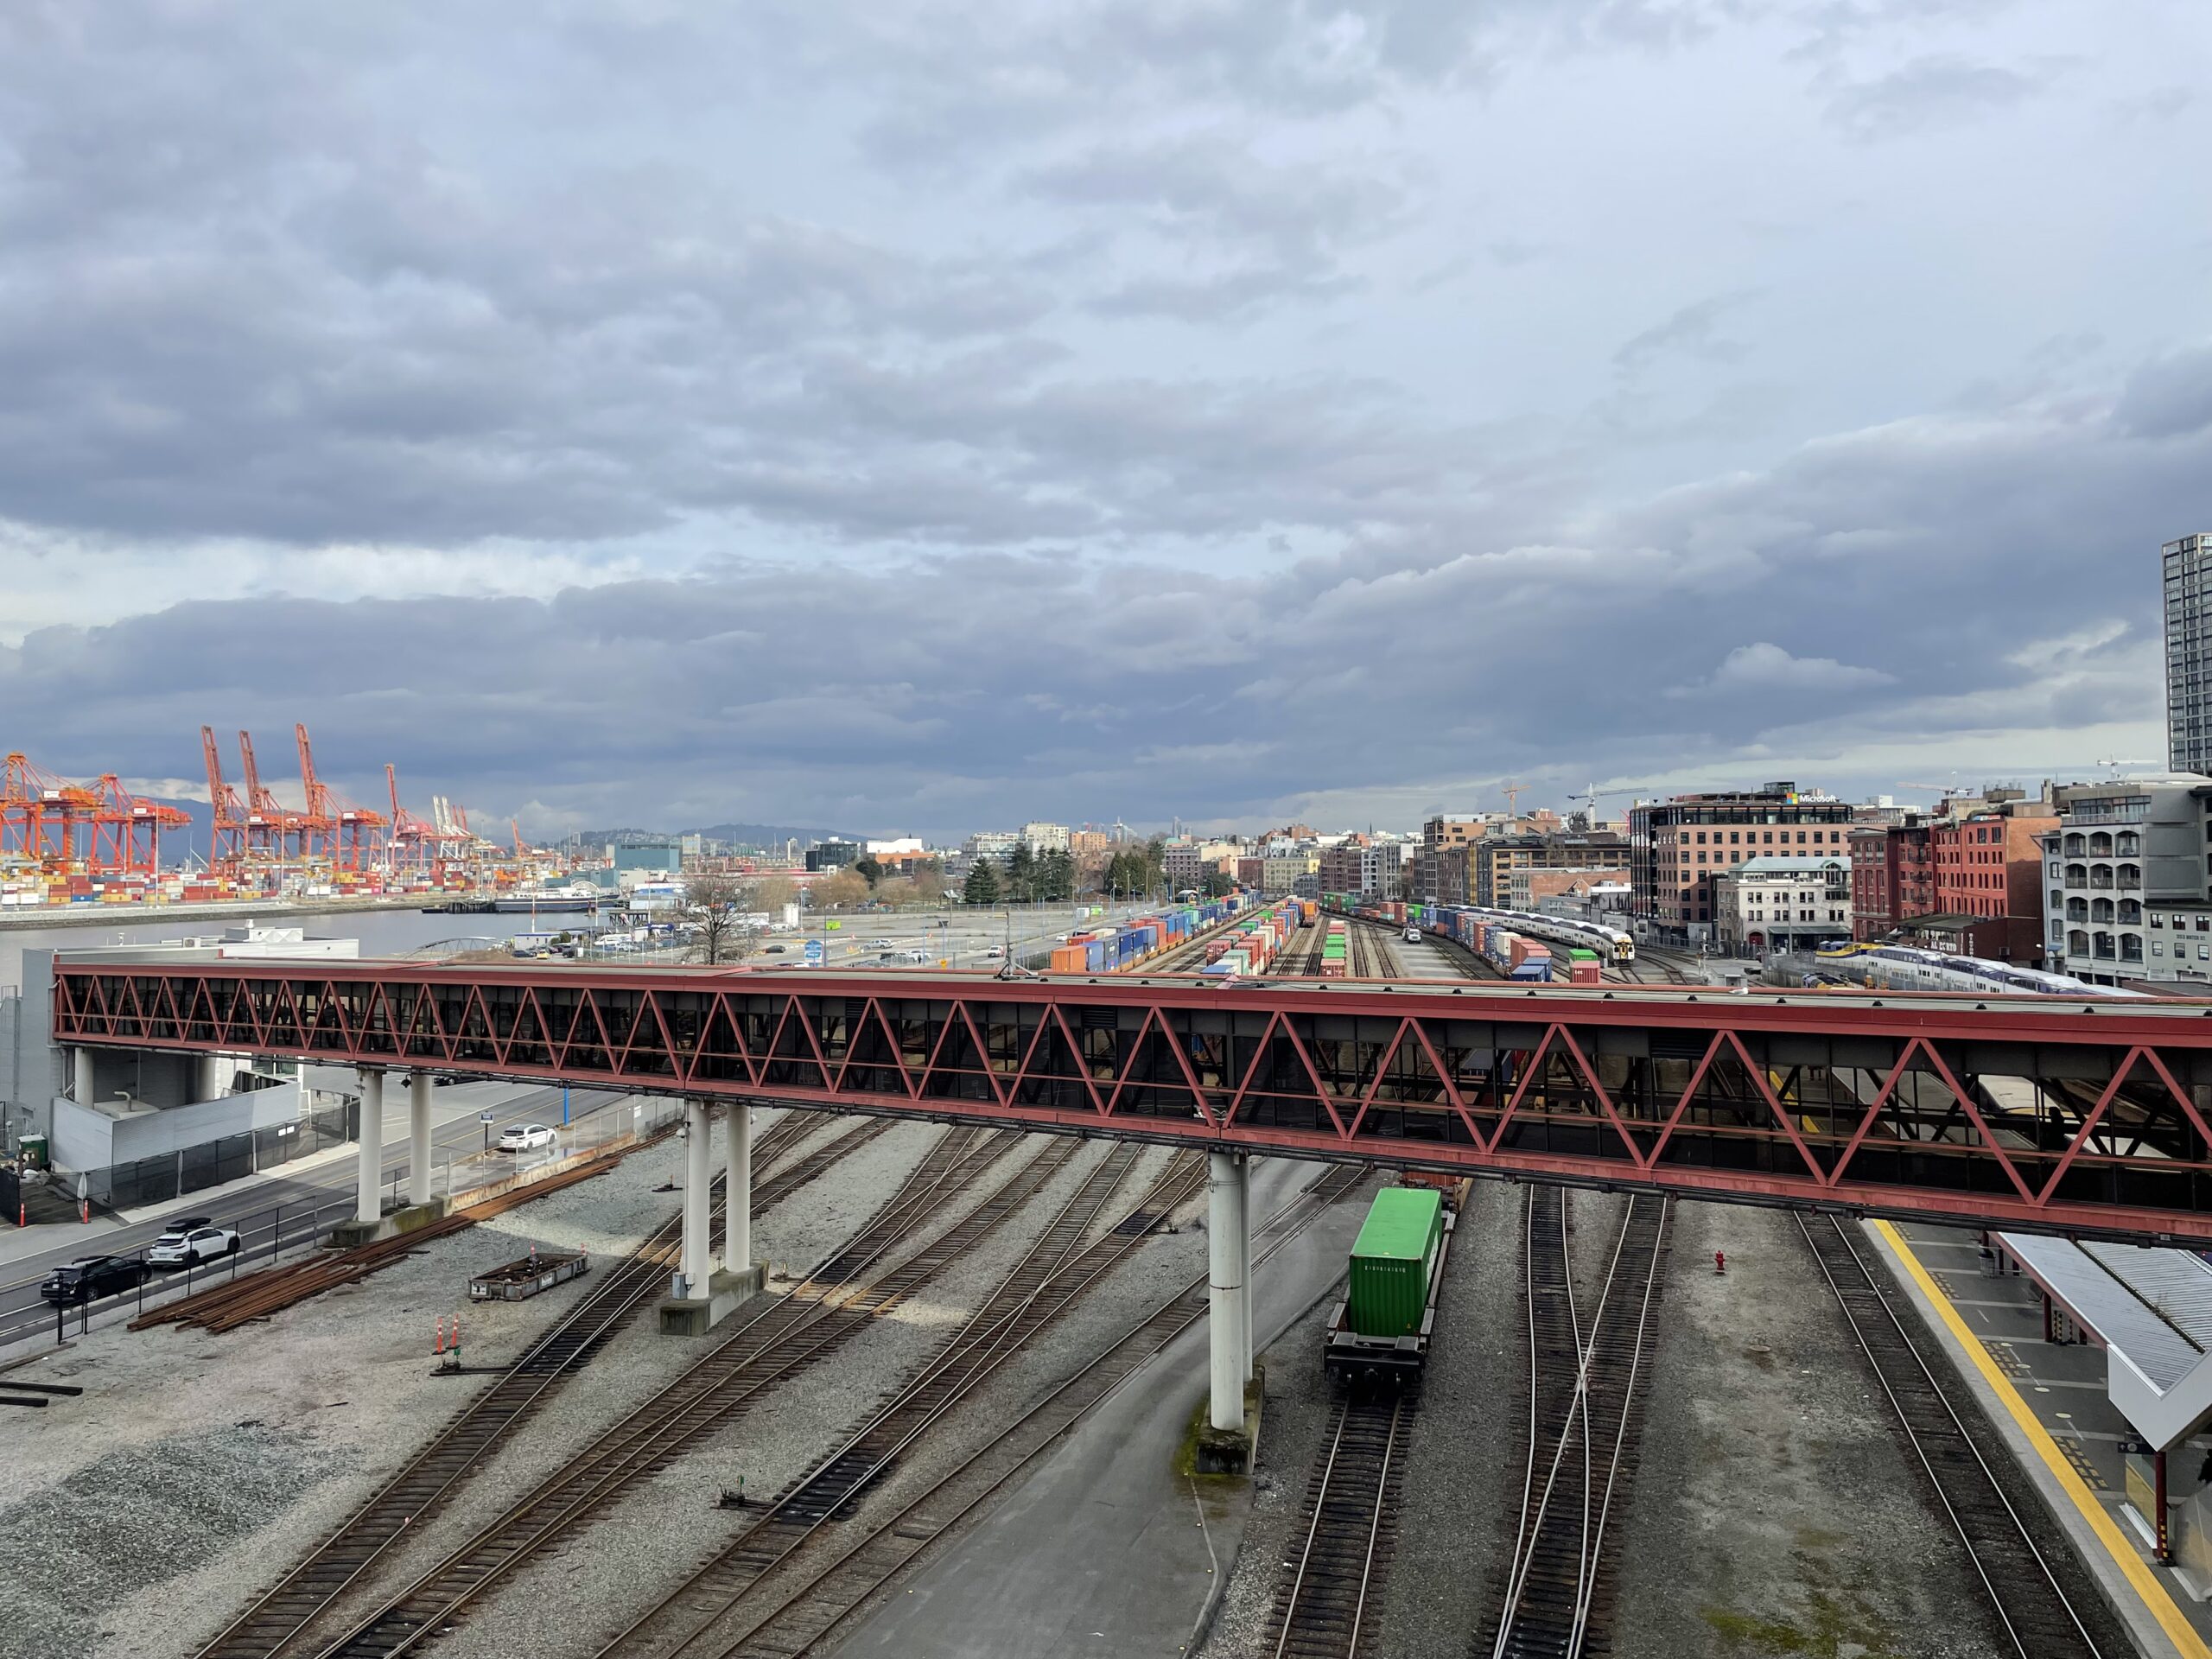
pixel 127 829
pixel 40 815
pixel 227 842
pixel 348 836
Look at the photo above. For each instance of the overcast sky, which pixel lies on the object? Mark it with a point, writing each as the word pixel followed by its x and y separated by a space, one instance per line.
pixel 921 417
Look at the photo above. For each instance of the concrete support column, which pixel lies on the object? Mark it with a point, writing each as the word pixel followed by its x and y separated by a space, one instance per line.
pixel 81 1083
pixel 1228 1248
pixel 1244 1265
pixel 698 1205
pixel 209 1082
pixel 737 1190
pixel 418 1137
pixel 368 1198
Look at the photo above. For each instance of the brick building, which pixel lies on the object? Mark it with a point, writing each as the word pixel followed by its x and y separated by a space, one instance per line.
pixel 1439 837
pixel 1497 860
pixel 1677 847
pixel 1968 879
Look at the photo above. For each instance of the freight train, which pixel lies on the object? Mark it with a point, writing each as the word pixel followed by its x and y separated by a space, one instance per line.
pixel 1382 1326
pixel 1904 968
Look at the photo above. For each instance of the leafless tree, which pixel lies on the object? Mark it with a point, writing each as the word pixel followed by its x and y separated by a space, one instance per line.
pixel 713 901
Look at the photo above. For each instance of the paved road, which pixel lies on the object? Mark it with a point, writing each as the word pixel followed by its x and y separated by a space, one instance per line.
pixel 1100 1552
pixel 291 1209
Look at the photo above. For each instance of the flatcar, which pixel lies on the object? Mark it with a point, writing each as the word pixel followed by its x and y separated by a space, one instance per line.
pixel 1381 1328
pixel 1907 968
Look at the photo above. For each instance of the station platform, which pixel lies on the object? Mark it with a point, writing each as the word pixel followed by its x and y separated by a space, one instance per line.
pixel 2079 1457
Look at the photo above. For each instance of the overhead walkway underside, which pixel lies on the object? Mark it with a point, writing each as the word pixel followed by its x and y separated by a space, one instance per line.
pixel 2030 1113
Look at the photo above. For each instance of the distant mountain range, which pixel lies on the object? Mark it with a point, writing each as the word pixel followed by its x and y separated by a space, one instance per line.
pixel 745 835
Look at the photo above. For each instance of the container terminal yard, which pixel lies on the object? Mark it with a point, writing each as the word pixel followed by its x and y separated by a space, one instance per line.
pixel 1252 1276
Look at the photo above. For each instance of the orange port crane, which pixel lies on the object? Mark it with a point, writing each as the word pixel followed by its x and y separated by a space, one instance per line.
pixel 349 835
pixel 226 842
pixel 127 829
pixel 41 814
pixel 411 842
pixel 273 830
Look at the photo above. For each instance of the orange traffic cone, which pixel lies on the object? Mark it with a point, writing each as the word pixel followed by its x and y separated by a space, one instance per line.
pixel 439 1346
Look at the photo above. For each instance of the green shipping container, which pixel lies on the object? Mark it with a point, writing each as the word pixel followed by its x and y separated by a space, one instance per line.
pixel 1582 955
pixel 1391 1260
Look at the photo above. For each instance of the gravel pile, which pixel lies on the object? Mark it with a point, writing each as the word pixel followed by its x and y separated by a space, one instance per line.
pixel 1774 1512
pixel 83 1548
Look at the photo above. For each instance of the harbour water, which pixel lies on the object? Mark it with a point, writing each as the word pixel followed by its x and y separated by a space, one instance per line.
pixel 382 932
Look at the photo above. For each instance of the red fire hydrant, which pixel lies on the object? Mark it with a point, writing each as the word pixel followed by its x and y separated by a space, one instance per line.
pixel 1720 1262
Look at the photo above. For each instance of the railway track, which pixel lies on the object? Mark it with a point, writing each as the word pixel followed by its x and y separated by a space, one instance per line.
pixel 837 1300
pixel 1586 1374
pixel 1057 1269
pixel 1351 1526
pixel 2035 1586
pixel 804 1605
pixel 429 1479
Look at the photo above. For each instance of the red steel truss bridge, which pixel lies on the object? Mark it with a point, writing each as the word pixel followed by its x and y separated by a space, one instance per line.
pixel 2034 1114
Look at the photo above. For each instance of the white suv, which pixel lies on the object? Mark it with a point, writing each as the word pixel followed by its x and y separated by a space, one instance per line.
pixel 188 1242
pixel 525 1137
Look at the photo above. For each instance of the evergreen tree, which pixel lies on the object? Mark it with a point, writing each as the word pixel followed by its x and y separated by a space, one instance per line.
pixel 1021 874
pixel 982 884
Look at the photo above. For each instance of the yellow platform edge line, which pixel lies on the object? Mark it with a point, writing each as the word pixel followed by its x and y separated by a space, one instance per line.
pixel 2155 1595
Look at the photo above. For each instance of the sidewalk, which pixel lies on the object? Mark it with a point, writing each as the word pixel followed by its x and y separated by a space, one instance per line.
pixel 20 1244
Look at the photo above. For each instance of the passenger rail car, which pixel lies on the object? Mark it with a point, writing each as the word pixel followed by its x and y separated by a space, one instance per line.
pixel 1906 967
pixel 1610 943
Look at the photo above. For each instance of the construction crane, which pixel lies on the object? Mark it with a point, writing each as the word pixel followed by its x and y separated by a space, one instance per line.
pixel 350 834
pixel 1512 792
pixel 226 844
pixel 1591 796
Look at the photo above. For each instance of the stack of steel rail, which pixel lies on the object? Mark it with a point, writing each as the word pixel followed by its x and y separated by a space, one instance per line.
pixel 428 1480
pixel 793 1333
pixel 270 1290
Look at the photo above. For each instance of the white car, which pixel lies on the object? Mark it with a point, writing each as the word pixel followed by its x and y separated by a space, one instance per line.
pixel 917 956
pixel 877 945
pixel 996 953
pixel 188 1242
pixel 525 1137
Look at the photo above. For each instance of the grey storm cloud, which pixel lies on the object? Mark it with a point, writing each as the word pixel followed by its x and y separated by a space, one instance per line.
pixel 917 416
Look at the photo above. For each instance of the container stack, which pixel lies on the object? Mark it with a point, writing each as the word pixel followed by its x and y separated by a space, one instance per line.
pixel 1334 946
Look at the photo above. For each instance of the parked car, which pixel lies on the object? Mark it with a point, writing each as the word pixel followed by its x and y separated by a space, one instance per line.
pixel 525 1137
pixel 877 945
pixel 91 1277
pixel 184 1243
pixel 917 955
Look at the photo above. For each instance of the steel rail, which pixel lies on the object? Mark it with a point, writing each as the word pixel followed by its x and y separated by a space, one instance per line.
pixel 784 1337
pixel 842 1586
pixel 2042 1621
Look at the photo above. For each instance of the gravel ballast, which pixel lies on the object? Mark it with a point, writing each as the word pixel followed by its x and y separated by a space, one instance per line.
pixel 338 1390
pixel 1774 1511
